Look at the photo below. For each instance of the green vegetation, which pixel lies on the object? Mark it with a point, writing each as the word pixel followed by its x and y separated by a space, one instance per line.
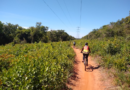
pixel 120 28
pixel 17 34
pixel 38 66
pixel 115 53
pixel 112 43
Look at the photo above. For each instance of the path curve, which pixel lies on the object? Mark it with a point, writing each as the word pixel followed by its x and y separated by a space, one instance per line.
pixel 86 80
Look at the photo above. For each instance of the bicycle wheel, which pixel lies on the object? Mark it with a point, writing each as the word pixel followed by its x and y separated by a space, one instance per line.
pixel 85 63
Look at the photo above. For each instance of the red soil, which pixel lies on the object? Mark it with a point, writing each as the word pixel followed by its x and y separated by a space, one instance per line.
pixel 91 79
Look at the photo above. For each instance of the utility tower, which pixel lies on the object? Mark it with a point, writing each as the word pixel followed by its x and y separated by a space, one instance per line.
pixel 78 33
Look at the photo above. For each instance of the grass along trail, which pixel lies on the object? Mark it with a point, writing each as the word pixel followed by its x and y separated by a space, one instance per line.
pixel 91 79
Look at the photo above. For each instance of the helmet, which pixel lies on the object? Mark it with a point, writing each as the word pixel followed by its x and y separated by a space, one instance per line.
pixel 86 43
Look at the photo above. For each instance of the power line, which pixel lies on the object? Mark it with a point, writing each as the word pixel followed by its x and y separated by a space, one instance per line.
pixel 80 12
pixel 54 12
pixel 80 20
pixel 63 11
pixel 67 9
pixel 78 32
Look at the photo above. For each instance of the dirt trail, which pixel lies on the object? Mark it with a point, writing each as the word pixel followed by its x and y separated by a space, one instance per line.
pixel 91 79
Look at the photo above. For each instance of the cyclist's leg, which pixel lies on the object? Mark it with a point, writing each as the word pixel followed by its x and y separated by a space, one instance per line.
pixel 83 57
pixel 74 45
pixel 87 58
pixel 85 63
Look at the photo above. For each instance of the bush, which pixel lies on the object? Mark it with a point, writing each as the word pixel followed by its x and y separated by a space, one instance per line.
pixel 112 48
pixel 37 66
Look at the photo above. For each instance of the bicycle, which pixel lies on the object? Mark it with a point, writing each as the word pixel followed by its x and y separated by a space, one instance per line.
pixel 73 45
pixel 85 61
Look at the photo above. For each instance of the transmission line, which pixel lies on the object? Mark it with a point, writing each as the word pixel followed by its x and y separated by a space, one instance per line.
pixel 78 32
pixel 80 12
pixel 54 12
pixel 67 8
pixel 63 11
pixel 80 20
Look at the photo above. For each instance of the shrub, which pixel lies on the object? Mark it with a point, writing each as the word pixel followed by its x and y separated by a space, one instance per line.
pixel 112 48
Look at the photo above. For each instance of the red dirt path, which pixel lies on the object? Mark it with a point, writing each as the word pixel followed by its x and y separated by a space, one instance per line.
pixel 91 79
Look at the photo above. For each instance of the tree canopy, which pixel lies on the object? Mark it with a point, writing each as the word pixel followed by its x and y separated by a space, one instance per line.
pixel 120 28
pixel 17 34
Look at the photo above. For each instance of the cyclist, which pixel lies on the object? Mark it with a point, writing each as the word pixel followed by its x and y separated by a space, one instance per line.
pixel 74 43
pixel 86 51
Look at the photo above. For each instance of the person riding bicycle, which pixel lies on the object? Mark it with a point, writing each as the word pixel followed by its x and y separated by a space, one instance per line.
pixel 86 51
pixel 74 43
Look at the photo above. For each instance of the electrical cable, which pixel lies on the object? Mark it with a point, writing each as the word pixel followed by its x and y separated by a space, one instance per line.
pixel 80 12
pixel 67 9
pixel 54 13
pixel 63 11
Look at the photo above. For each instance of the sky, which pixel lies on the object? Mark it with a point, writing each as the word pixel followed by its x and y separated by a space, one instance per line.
pixel 67 15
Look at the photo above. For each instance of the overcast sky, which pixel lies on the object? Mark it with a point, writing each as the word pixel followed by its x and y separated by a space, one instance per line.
pixel 67 15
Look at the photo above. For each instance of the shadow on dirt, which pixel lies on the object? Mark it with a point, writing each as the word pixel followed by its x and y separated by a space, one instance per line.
pixel 90 68
pixel 76 62
pixel 74 77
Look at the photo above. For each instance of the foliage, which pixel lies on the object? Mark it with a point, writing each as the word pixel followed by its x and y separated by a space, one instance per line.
pixel 37 66
pixel 115 53
pixel 17 34
pixel 114 48
pixel 59 35
pixel 119 28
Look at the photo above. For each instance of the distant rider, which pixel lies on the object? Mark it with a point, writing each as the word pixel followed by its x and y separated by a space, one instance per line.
pixel 85 50
pixel 74 43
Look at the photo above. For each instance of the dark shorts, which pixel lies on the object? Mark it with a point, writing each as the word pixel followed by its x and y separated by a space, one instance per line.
pixel 85 55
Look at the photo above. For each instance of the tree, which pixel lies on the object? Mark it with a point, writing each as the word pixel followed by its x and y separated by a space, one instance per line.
pixel 38 25
pixel 32 33
pixel 20 28
pixel 1 27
